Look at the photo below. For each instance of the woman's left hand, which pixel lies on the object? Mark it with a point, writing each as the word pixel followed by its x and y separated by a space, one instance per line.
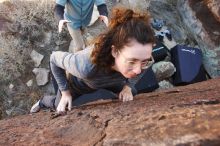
pixel 126 94
pixel 104 19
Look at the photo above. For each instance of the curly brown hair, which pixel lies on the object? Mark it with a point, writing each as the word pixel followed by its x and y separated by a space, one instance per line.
pixel 124 25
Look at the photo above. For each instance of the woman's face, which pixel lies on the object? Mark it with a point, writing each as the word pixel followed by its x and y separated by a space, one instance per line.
pixel 132 58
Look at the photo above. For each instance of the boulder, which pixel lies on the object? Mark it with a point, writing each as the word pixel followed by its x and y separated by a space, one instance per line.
pixel 186 115
pixel 36 57
pixel 165 85
pixel 163 70
pixel 29 83
pixel 42 76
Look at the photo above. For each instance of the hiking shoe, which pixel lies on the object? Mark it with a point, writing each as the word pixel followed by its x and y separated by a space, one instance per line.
pixel 36 107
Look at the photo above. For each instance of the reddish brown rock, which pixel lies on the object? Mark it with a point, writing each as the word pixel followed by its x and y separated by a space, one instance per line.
pixel 214 6
pixel 207 18
pixel 188 115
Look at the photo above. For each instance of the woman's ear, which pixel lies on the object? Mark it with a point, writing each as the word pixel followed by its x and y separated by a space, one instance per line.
pixel 114 51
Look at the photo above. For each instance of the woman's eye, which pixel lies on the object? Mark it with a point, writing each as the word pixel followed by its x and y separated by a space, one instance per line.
pixel 131 62
pixel 144 63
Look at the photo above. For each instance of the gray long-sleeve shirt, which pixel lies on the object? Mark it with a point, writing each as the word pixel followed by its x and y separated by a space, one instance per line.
pixel 87 77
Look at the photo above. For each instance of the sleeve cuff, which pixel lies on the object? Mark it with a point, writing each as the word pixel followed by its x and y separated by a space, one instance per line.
pixel 103 10
pixel 61 2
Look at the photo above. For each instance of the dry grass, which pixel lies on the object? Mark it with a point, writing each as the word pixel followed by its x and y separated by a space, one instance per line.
pixel 30 19
pixel 28 24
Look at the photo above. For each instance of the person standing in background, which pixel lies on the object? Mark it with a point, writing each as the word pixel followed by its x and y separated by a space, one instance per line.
pixel 77 14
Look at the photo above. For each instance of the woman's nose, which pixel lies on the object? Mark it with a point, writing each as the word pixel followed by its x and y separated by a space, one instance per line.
pixel 137 69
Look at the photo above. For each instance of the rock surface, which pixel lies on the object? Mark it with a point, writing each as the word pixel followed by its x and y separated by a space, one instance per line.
pixel 36 57
pixel 213 5
pixel 205 29
pixel 42 75
pixel 188 115
pixel 163 70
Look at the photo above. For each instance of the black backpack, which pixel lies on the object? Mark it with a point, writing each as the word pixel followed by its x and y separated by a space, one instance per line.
pixel 160 52
pixel 188 63
pixel 147 83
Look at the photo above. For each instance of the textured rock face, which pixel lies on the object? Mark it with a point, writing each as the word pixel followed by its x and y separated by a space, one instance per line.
pixel 187 115
pixel 193 23
pixel 162 9
pixel 214 6
pixel 204 27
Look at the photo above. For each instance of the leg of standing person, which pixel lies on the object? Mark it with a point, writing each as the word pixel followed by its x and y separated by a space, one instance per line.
pixel 77 42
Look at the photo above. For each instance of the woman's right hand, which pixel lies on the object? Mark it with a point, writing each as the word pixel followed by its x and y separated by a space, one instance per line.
pixel 61 23
pixel 66 100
